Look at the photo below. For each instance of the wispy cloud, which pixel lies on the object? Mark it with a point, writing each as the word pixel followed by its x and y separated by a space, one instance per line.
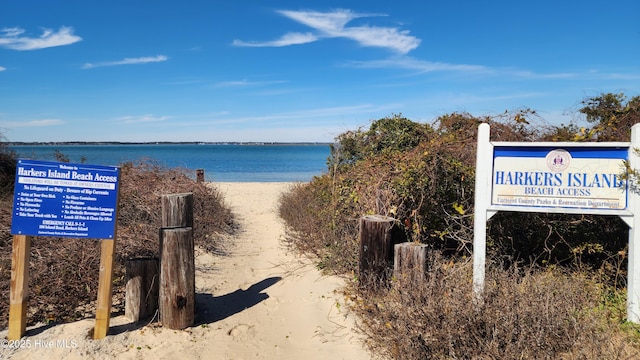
pixel 425 66
pixel 285 40
pixel 2 68
pixel 14 38
pixel 32 123
pixel 246 83
pixel 325 114
pixel 620 76
pixel 334 25
pixel 127 61
pixel 137 119
pixel 419 65
pixel 534 75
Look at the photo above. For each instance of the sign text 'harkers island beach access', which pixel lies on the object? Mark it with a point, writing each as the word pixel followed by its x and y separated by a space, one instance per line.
pixel 65 200
pixel 560 178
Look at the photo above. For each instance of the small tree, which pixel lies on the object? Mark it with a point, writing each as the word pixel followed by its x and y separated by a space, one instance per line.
pixel 612 115
pixel 385 136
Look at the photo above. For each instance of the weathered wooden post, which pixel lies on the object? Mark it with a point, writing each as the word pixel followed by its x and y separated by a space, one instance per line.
pixel 199 175
pixel 378 234
pixel 410 262
pixel 142 288
pixel 177 210
pixel 177 279
pixel 177 262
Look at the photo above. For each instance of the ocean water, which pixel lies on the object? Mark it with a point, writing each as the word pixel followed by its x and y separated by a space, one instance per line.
pixel 220 162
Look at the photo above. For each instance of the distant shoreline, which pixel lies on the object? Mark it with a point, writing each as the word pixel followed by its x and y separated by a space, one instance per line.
pixel 49 143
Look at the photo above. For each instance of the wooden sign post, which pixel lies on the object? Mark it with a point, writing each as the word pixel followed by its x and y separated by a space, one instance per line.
pixel 105 289
pixel 19 286
pixel 62 200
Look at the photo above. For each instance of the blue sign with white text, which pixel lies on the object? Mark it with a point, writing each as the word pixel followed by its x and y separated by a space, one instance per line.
pixel 65 200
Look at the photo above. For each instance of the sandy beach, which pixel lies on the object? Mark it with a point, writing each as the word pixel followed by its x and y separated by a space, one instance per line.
pixel 259 301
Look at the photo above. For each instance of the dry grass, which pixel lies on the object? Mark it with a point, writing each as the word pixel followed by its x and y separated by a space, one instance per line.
pixel 526 314
pixel 64 271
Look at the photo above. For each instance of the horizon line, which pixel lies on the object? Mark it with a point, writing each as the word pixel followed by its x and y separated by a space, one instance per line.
pixel 17 143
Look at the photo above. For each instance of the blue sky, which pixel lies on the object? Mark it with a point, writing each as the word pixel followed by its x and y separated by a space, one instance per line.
pixel 299 71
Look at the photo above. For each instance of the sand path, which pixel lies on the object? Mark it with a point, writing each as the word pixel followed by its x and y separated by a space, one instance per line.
pixel 259 302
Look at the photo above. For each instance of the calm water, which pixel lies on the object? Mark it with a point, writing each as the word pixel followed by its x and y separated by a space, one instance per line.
pixel 241 163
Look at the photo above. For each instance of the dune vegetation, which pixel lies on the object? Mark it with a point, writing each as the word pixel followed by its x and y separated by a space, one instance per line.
pixel 555 284
pixel 64 272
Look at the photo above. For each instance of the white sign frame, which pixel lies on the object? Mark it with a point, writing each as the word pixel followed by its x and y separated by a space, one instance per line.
pixel 484 207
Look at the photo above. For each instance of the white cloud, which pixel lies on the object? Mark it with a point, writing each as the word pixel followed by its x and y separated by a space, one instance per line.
pixel 2 68
pixel 331 23
pixel 424 66
pixel 400 41
pixel 419 65
pixel 621 76
pixel 32 123
pixel 127 61
pixel 285 40
pixel 136 119
pixel 245 83
pixel 326 115
pixel 533 75
pixel 13 38
pixel 334 25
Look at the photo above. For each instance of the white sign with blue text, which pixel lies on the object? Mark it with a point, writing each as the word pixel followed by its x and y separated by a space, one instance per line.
pixel 552 177
pixel 562 177
pixel 65 200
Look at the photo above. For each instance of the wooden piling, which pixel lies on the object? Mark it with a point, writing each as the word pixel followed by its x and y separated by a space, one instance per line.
pixel 378 234
pixel 177 210
pixel 410 262
pixel 177 278
pixel 142 288
pixel 177 262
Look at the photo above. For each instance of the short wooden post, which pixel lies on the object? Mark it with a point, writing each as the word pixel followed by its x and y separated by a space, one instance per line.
pixel 410 262
pixel 142 284
pixel 200 175
pixel 19 293
pixel 105 288
pixel 378 234
pixel 177 278
pixel 177 210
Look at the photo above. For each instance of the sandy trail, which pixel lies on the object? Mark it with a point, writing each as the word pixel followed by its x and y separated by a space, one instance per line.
pixel 259 302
